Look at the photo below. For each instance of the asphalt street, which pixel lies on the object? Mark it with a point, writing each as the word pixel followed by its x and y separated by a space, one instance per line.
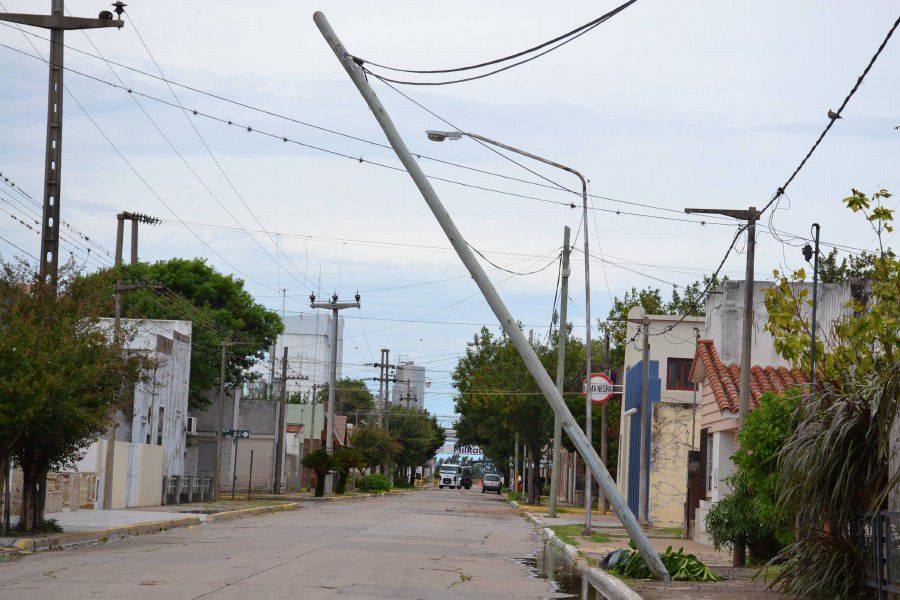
pixel 426 544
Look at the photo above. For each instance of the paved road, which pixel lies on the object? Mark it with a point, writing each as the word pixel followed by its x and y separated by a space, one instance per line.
pixel 429 544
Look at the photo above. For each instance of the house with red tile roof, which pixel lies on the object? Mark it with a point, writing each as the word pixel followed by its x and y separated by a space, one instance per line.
pixel 719 386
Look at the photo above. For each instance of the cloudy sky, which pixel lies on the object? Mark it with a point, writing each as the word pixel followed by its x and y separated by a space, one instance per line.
pixel 706 104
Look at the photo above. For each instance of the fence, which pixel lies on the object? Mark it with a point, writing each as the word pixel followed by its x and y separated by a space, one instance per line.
pixel 880 541
pixel 178 489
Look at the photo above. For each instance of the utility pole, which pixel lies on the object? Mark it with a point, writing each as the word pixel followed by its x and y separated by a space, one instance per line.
pixel 604 426
pixel 278 486
pixel 384 392
pixel 109 462
pixel 643 509
pixel 563 333
pixel 505 318
pixel 217 478
pixel 516 469
pixel 279 449
pixel 335 307
pixel 750 215
pixel 57 23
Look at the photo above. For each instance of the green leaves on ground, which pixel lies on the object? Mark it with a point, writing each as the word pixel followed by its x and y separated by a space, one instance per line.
pixel 681 566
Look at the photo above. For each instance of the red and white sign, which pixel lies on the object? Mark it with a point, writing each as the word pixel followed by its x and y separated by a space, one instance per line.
pixel 602 388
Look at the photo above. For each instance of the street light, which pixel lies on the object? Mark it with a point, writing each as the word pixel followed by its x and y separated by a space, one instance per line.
pixel 440 136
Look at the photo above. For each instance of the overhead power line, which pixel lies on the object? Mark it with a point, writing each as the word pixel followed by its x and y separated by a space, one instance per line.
pixel 346 135
pixel 781 190
pixel 530 54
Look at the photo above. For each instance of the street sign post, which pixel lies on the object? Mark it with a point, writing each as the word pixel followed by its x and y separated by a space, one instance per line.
pixel 602 388
pixel 236 435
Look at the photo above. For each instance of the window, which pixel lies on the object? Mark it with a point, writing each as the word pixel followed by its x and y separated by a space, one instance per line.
pixel 677 374
pixel 709 461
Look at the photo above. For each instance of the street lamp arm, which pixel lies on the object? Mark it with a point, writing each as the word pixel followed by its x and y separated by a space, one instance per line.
pixel 529 155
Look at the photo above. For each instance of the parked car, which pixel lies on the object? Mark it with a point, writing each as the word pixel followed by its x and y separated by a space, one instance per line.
pixel 491 483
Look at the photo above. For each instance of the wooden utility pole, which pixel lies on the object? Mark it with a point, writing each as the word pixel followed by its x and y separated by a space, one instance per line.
pixel 217 478
pixel 57 23
pixel 751 215
pixel 563 333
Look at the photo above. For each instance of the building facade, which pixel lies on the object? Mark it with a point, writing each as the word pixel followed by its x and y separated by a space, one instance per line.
pixel 674 418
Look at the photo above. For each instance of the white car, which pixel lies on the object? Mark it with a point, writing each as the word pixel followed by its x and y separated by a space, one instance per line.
pixel 491 483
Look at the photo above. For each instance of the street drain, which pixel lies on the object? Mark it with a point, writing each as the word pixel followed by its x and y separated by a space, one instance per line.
pixel 548 563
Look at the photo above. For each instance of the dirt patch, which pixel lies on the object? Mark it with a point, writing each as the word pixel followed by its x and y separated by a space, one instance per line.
pixel 737 583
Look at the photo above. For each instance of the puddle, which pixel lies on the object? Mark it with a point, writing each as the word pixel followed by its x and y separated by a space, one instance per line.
pixel 548 563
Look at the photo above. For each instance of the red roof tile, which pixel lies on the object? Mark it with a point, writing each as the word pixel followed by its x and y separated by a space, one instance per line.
pixel 725 381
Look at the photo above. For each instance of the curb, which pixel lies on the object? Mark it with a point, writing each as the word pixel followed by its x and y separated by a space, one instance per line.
pixel 354 497
pixel 612 587
pixel 61 540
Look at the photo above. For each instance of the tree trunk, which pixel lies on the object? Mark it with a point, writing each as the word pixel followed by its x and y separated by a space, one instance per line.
pixel 412 476
pixel 320 485
pixel 32 507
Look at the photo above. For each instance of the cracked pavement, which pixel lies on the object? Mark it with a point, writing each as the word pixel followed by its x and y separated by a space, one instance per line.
pixel 428 544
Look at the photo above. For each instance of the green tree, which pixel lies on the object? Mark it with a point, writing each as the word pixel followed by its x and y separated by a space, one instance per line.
pixel 345 461
pixel 219 307
pixel 499 399
pixel 750 515
pixel 375 445
pixel 321 463
pixel 61 375
pixel 835 465
pixel 688 301
pixel 419 436
pixel 351 397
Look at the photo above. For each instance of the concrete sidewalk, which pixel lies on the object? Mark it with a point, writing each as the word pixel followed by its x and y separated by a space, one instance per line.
pixel 84 526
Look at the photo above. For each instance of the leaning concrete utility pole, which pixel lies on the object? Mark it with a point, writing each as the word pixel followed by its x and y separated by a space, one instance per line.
pixel 563 333
pixel 57 23
pixel 509 324
pixel 335 307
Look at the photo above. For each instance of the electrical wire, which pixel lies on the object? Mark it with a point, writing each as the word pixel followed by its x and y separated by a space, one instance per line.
pixel 553 44
pixel 319 127
pixel 362 160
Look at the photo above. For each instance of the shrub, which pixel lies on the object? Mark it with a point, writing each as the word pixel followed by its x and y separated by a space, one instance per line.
pixel 375 483
pixel 735 520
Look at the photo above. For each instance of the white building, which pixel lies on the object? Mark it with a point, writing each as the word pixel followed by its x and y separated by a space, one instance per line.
pixel 409 385
pixel 716 370
pixel 308 338
pixel 150 438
